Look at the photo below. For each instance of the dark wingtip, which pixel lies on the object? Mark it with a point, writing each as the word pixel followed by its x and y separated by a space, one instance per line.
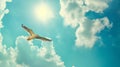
pixel 22 25
pixel 50 40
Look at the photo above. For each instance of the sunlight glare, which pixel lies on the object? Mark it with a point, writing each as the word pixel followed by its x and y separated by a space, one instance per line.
pixel 43 12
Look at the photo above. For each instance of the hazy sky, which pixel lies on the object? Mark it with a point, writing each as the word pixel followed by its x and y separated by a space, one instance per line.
pixel 85 33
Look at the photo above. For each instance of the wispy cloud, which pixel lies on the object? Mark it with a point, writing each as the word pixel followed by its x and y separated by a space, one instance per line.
pixel 73 12
pixel 3 10
pixel 6 55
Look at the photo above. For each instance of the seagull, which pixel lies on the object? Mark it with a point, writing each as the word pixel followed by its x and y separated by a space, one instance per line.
pixel 33 35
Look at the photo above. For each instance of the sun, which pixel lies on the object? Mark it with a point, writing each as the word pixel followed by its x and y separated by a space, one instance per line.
pixel 43 12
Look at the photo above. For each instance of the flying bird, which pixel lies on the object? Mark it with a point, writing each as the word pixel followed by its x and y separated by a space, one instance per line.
pixel 33 35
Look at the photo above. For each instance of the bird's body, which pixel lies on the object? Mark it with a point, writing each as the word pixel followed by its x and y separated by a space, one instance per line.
pixel 31 37
pixel 34 36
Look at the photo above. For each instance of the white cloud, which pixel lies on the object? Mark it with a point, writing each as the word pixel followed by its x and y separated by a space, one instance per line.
pixel 33 56
pixel 8 56
pixel 73 12
pixel 97 5
pixel 86 33
pixel 25 54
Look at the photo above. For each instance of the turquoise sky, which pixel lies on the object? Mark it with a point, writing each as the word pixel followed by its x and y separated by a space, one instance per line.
pixel 84 33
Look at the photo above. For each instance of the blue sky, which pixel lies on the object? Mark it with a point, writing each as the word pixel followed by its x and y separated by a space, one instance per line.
pixel 84 33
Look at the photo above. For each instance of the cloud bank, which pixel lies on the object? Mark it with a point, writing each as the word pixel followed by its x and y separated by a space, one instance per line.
pixel 73 13
pixel 33 56
pixel 25 54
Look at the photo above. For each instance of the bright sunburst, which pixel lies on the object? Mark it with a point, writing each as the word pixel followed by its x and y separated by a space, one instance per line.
pixel 43 12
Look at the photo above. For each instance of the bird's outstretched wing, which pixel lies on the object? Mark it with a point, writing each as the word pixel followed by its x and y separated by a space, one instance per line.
pixel 28 30
pixel 43 38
